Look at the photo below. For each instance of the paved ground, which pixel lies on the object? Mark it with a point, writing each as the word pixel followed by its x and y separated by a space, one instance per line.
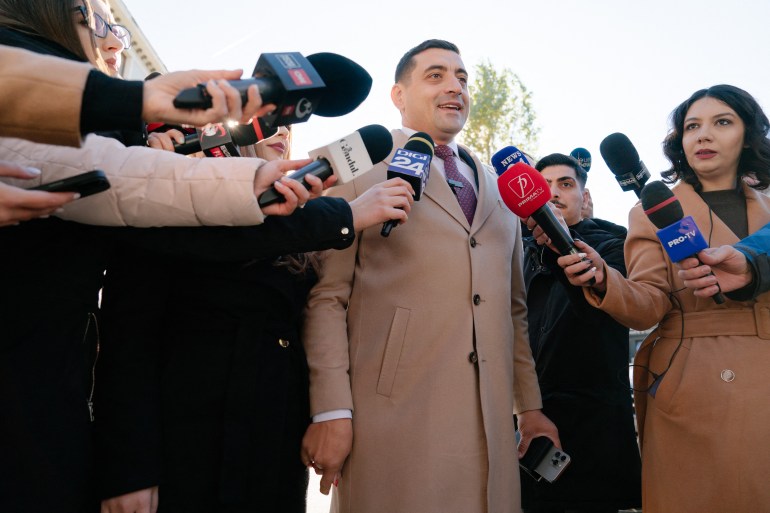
pixel 317 503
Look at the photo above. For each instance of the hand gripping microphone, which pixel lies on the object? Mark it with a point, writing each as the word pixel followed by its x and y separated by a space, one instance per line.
pixel 678 234
pixel 623 160
pixel 326 84
pixel 412 163
pixel 583 157
pixel 222 140
pixel 507 157
pixel 526 193
pixel 347 158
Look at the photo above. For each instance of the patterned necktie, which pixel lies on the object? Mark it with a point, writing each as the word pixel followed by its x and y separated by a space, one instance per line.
pixel 466 196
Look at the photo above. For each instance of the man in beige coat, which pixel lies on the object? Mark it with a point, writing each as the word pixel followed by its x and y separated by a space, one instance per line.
pixel 422 336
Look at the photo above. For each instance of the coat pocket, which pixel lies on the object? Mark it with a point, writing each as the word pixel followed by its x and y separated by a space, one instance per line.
pixel 671 383
pixel 392 355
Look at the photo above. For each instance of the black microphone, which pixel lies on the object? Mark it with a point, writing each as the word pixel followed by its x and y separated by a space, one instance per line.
pixel 347 158
pixel 623 160
pixel 583 157
pixel 412 163
pixel 251 133
pixel 324 83
pixel 222 140
pixel 678 234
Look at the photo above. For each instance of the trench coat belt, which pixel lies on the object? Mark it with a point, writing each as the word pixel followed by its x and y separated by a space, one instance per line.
pixel 733 321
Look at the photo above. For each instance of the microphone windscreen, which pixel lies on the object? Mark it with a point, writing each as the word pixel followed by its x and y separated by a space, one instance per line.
pixel 619 154
pixel 421 142
pixel 583 156
pixel 507 157
pixel 377 140
pixel 347 84
pixel 523 189
pixel 660 204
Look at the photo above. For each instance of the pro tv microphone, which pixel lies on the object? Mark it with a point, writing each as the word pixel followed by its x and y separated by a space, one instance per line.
pixel 507 157
pixel 678 234
pixel 623 160
pixel 583 156
pixel 347 158
pixel 412 163
pixel 526 193
pixel 326 84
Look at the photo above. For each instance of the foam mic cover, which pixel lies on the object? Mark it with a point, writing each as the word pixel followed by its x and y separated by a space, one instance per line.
pixel 412 163
pixel 507 157
pixel 623 160
pixel 678 234
pixel 583 157
pixel 347 84
pixel 347 158
pixel 326 83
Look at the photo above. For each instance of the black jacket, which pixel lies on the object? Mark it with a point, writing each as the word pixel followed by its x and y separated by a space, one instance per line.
pixel 203 381
pixel 51 275
pixel 581 356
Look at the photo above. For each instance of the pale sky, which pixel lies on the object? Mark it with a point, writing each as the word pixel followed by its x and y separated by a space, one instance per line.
pixel 595 67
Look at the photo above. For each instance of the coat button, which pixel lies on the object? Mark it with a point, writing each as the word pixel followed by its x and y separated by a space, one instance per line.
pixel 473 242
pixel 727 375
pixel 345 231
pixel 473 357
pixel 283 342
pixel 476 299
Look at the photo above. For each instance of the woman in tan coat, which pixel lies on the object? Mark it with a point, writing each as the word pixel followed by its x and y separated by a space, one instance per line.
pixel 700 378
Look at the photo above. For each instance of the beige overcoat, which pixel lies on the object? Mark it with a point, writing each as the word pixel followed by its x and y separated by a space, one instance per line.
pixel 390 334
pixel 705 433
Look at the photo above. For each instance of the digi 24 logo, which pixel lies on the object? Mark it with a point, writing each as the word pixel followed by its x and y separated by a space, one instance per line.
pixel 410 160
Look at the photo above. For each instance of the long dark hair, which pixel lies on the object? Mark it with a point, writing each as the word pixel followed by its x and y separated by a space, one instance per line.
pixel 50 19
pixel 754 162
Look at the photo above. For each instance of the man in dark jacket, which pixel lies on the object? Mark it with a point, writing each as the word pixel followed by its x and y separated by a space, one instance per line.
pixel 581 355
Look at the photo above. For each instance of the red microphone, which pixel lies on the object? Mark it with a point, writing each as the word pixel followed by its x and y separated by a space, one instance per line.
pixel 526 193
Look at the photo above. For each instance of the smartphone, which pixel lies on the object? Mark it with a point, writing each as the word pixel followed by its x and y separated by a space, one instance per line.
pixel 85 183
pixel 543 460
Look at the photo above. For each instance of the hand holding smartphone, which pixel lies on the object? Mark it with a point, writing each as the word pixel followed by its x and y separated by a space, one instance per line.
pixel 543 460
pixel 85 184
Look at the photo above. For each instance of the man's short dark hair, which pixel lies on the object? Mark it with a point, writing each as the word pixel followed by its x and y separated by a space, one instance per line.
pixel 406 64
pixel 560 159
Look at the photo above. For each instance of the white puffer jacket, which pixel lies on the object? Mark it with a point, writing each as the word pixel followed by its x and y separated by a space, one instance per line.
pixel 148 187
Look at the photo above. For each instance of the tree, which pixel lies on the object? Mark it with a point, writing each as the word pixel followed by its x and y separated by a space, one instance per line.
pixel 501 113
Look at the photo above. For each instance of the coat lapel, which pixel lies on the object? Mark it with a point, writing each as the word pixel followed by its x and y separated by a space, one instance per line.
pixel 438 190
pixel 757 208
pixel 489 196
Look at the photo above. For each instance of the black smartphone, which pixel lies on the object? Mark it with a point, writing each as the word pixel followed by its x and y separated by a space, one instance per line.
pixel 85 183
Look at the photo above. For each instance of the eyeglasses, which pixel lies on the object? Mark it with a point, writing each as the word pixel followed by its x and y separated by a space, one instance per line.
pixel 101 26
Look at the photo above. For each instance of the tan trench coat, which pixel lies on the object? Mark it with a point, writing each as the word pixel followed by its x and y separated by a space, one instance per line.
pixel 389 333
pixel 705 433
pixel 40 97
